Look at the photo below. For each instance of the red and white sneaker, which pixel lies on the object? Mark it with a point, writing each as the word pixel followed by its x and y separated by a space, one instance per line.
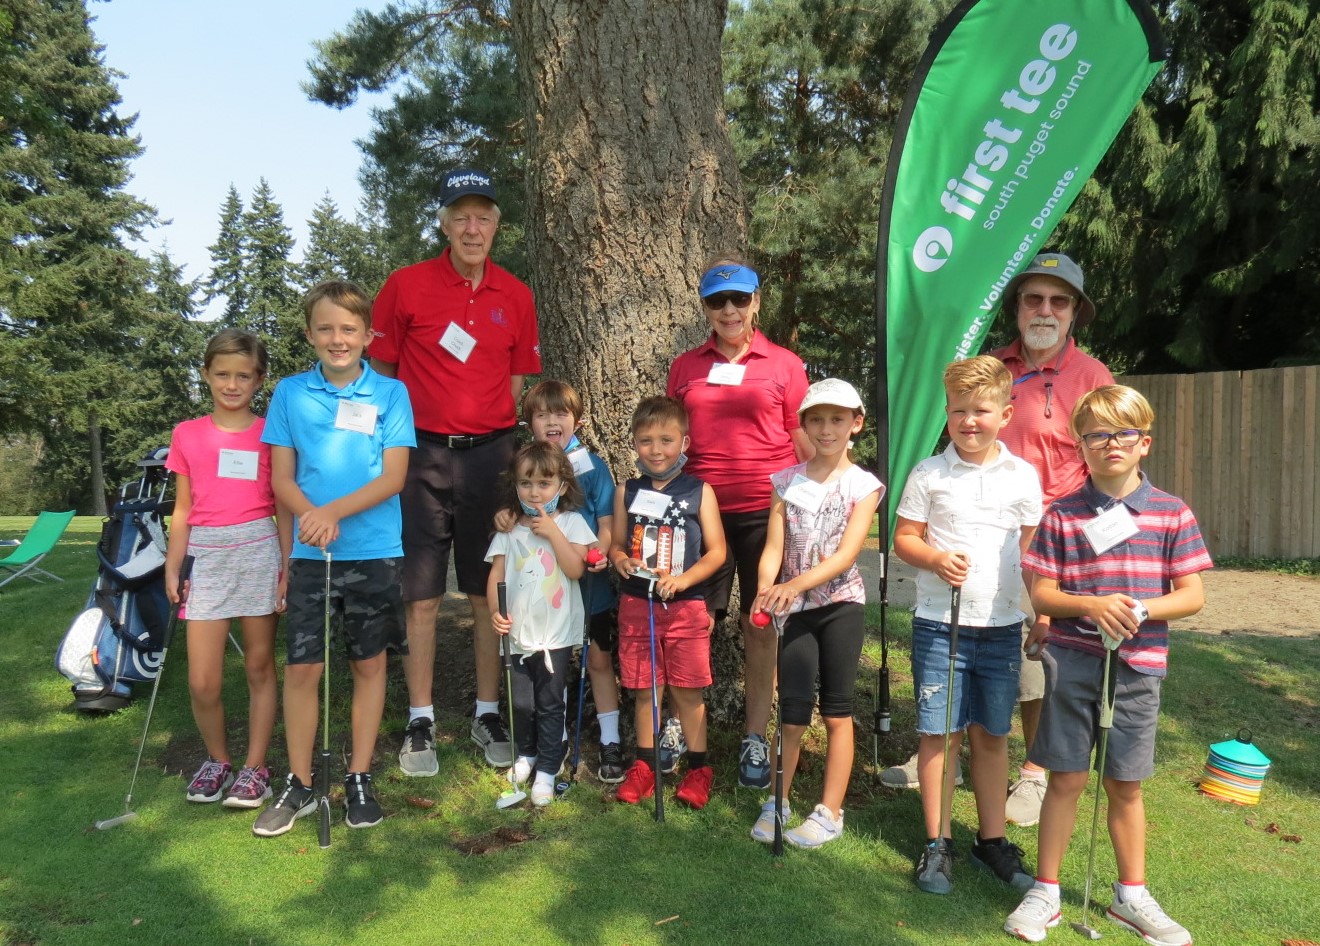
pixel 638 784
pixel 694 790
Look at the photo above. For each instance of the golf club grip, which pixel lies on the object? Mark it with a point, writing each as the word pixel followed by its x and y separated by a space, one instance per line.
pixel 502 598
pixel 1111 690
pixel 323 831
pixel 185 573
pixel 882 714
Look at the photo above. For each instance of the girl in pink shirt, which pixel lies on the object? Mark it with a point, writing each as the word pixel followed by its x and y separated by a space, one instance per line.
pixel 223 517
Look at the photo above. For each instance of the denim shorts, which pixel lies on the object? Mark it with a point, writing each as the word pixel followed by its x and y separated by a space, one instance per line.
pixel 985 678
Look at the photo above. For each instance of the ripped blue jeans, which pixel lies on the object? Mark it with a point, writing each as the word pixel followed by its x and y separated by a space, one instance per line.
pixel 985 676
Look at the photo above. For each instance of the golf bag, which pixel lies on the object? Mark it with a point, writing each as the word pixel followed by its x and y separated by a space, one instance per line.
pixel 116 641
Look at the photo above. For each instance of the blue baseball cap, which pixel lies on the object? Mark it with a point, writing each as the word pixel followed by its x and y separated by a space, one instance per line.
pixel 729 277
pixel 463 182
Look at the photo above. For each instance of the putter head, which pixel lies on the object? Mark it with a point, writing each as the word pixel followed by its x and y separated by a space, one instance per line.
pixel 508 799
pixel 1089 932
pixel 109 823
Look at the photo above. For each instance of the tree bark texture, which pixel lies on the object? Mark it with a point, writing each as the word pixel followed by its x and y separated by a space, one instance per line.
pixel 97 470
pixel 632 185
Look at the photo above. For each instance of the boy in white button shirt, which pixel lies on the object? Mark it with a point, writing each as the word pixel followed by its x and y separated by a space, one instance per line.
pixel 965 519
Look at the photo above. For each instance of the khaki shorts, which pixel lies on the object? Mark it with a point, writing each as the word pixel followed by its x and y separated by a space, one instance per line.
pixel 1031 681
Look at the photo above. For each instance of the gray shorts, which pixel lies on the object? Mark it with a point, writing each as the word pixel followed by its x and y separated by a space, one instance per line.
pixel 364 601
pixel 1031 681
pixel 1070 719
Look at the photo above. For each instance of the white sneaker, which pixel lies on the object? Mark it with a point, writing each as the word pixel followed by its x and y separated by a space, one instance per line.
pixel 542 794
pixel 821 827
pixel 1024 800
pixel 764 829
pixel 905 775
pixel 520 771
pixel 1035 916
pixel 1144 917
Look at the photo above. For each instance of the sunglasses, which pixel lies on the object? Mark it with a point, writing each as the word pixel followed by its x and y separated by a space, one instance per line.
pixel 1034 300
pixel 719 300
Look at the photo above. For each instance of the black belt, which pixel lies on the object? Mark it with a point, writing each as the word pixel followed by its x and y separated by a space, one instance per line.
pixel 462 441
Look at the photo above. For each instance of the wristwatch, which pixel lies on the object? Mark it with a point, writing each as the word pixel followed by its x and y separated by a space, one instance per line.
pixel 1140 613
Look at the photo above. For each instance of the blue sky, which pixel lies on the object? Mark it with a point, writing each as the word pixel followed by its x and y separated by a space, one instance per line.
pixel 216 89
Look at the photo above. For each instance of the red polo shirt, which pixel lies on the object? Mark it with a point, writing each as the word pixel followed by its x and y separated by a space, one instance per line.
pixel 417 305
pixel 740 433
pixel 1042 403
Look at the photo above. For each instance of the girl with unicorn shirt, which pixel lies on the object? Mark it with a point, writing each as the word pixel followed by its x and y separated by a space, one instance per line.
pixel 540 560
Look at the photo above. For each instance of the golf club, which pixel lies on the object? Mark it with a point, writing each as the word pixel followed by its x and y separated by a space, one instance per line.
pixel 655 705
pixel 514 794
pixel 1108 687
pixel 883 718
pixel 323 831
pixel 564 784
pixel 955 601
pixel 777 848
pixel 185 570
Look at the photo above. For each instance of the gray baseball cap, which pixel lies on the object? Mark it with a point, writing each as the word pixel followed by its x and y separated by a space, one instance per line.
pixel 1060 267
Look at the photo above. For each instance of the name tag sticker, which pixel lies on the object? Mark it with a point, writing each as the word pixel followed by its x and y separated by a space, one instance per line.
pixel 1108 529
pixel 726 373
pixel 237 465
pixel 357 417
pixel 457 342
pixel 649 503
pixel 805 493
pixel 580 460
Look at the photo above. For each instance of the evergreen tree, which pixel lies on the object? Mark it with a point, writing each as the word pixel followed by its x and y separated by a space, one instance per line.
pixel 228 276
pixel 1198 231
pixel 339 249
pixel 271 280
pixel 456 103
pixel 70 292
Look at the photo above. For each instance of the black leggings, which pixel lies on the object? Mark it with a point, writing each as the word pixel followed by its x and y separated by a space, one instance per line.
pixel 539 707
pixel 828 640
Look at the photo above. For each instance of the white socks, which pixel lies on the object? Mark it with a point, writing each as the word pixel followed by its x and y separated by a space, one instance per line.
pixel 421 712
pixel 484 707
pixel 609 727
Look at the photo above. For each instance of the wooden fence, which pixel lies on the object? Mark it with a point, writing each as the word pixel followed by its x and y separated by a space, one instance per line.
pixel 1243 449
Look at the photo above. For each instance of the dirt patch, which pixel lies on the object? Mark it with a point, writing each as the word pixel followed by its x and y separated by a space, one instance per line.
pixel 1249 602
pixel 501 838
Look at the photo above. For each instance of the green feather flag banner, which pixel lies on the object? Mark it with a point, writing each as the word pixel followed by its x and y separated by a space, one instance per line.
pixel 1013 105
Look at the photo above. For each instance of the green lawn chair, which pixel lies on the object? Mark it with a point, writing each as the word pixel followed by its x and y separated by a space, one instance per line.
pixel 36 545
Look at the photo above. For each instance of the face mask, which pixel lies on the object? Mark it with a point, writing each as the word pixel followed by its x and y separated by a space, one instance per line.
pixel 668 474
pixel 532 511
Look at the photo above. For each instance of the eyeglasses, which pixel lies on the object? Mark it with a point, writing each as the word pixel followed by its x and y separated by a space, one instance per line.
pixel 1034 300
pixel 719 300
pixel 1119 438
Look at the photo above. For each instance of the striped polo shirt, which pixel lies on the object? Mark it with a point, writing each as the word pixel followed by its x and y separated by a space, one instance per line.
pixel 1167 545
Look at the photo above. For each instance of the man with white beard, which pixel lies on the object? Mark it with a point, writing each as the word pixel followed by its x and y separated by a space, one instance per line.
pixel 1050 373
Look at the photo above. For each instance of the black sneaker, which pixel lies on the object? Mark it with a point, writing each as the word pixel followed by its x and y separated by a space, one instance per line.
pixel 611 764
pixel 295 801
pixel 1003 859
pixel 935 867
pixel 489 733
pixel 363 809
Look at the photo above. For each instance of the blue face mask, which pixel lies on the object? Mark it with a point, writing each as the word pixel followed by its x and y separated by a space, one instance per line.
pixel 532 511
pixel 668 474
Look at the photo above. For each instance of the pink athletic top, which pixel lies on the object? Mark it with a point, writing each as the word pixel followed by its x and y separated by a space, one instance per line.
pixel 1042 403
pixel 741 433
pixel 229 472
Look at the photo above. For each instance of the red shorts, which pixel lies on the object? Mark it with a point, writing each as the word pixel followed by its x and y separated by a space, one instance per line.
pixel 682 644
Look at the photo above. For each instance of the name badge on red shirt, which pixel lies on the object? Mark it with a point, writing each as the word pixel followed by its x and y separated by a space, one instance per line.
pixel 457 342
pixel 726 373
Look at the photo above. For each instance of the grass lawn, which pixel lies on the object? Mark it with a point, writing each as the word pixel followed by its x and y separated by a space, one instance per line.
pixel 447 868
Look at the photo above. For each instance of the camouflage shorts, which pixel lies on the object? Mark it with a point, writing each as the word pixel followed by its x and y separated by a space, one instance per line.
pixel 365 605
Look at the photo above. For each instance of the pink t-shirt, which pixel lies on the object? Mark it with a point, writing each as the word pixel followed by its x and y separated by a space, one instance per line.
pixel 741 433
pixel 1042 403
pixel 228 471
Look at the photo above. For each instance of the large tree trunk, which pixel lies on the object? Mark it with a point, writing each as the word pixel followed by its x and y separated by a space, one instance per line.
pixel 97 471
pixel 632 184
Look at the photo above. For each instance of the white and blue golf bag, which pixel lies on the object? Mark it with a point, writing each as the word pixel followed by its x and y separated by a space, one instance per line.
pixel 116 641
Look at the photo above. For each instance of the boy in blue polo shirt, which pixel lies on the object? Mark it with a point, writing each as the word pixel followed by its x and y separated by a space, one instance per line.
pixel 339 437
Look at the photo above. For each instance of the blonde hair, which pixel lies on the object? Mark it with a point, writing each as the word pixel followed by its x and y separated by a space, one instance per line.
pixel 984 376
pixel 1113 405
pixel 347 295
